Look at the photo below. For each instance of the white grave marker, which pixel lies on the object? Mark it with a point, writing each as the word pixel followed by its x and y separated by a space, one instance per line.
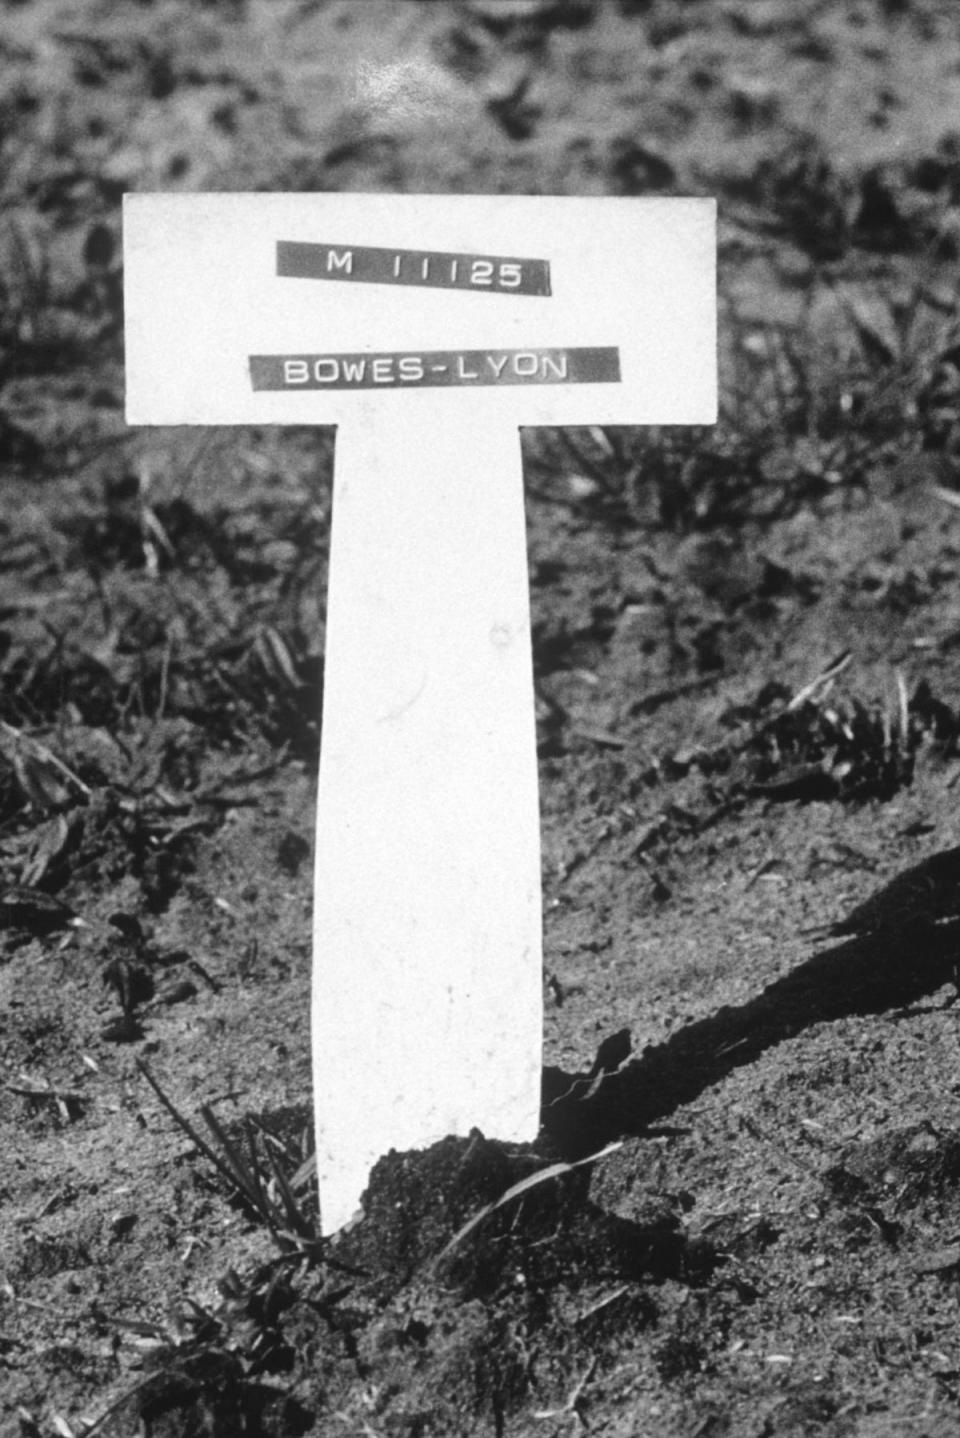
pixel 427 329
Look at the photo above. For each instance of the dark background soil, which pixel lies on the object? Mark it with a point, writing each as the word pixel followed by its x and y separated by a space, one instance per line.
pixel 774 1247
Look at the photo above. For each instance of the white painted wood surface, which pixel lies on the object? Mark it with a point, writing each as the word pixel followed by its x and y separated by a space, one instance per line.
pixel 427 985
pixel 201 295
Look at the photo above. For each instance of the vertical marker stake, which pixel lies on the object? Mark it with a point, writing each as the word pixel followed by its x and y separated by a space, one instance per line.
pixel 427 805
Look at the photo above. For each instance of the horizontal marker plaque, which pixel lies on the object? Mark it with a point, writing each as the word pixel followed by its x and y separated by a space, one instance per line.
pixel 436 269
pixel 436 367
pixel 212 280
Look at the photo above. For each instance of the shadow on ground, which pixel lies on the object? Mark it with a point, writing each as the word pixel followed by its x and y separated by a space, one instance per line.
pixel 905 955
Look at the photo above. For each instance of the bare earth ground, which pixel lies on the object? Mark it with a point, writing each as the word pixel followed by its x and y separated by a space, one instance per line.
pixel 774 1249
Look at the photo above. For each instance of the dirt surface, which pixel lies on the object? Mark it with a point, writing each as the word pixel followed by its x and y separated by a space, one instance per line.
pixel 748 678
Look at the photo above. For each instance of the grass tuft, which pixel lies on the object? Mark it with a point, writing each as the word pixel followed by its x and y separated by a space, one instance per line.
pixel 809 408
pixel 255 1175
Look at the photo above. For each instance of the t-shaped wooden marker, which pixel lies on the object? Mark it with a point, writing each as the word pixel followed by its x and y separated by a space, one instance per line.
pixel 427 328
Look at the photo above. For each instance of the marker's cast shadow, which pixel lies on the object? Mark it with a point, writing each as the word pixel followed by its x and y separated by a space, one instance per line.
pixel 906 955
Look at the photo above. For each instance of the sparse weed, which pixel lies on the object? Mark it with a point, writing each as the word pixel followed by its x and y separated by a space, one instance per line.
pixel 208 612
pixel 221 1354
pixel 801 415
pixel 256 1173
pixel 26 296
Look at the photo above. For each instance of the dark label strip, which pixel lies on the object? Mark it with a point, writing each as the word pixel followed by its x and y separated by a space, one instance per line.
pixel 435 269
pixel 417 369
